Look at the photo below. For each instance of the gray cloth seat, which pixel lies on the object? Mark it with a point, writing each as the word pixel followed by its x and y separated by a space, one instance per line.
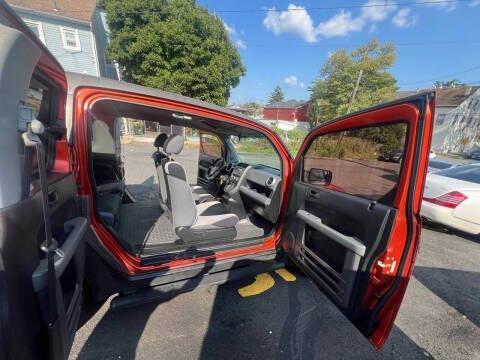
pixel 200 195
pixel 193 222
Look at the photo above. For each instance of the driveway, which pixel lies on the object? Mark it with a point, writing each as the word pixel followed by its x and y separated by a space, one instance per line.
pixel 439 318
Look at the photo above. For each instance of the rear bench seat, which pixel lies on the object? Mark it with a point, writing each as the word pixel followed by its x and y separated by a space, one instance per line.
pixel 109 200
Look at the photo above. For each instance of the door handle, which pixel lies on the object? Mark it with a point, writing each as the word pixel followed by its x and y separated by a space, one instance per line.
pixel 313 193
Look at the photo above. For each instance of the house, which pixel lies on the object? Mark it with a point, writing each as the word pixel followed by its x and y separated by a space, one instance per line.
pixel 75 32
pixel 457 119
pixel 287 115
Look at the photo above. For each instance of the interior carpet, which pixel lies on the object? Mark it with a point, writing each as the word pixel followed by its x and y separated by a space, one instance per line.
pixel 144 224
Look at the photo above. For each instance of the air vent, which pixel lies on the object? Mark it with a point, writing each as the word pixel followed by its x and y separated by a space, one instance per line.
pixel 270 181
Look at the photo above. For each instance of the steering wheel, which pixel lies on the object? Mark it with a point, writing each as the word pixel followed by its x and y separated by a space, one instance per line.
pixel 215 169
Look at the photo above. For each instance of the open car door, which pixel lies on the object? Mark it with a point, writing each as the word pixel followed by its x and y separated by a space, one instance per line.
pixel 353 218
pixel 42 228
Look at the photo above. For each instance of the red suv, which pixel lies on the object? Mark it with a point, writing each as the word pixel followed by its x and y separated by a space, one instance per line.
pixel 68 221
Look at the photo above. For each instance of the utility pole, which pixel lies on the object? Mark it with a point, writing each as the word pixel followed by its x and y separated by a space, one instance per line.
pixel 354 94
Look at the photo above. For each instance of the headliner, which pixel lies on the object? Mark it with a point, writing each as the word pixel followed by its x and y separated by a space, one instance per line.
pixel 108 110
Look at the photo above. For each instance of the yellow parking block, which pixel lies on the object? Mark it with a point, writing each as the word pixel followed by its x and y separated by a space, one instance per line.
pixel 286 275
pixel 262 283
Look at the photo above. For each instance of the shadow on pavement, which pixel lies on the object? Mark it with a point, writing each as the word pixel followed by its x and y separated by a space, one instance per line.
pixel 290 321
pixel 459 289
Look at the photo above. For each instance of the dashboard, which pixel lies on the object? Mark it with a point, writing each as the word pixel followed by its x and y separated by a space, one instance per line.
pixel 258 187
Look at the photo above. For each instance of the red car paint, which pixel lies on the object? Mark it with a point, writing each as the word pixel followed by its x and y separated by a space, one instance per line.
pixel 382 278
pixel 85 98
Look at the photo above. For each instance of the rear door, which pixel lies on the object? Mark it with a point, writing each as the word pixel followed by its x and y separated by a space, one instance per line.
pixel 353 222
pixel 32 86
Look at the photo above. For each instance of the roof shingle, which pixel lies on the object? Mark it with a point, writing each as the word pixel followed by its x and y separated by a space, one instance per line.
pixel 74 9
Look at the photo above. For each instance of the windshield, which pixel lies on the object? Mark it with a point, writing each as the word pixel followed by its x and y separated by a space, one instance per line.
pixel 470 173
pixel 256 151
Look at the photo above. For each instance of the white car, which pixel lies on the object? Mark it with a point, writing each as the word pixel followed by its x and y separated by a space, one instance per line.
pixel 452 198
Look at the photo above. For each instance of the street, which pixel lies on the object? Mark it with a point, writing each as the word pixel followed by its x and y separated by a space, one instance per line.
pixel 439 318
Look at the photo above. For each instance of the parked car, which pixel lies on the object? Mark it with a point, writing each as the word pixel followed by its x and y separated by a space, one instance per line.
pixel 432 155
pixel 436 165
pixel 474 154
pixel 69 224
pixel 452 198
pixel 394 156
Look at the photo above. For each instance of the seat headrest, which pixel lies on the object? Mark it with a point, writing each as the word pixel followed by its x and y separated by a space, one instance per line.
pixel 160 140
pixel 174 144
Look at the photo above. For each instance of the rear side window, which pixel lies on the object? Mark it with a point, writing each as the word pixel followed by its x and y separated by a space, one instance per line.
pixel 363 162
pixel 470 173
pixel 211 145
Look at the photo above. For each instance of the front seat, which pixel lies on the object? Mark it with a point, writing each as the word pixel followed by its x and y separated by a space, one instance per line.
pixel 173 146
pixel 192 222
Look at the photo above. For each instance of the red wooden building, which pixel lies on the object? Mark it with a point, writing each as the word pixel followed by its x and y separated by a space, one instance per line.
pixel 291 110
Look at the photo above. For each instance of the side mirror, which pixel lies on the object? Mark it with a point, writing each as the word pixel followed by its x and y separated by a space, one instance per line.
pixel 319 177
pixel 234 139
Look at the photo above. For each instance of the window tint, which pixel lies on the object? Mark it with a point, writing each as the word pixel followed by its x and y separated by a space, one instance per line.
pixel 363 162
pixel 470 173
pixel 211 145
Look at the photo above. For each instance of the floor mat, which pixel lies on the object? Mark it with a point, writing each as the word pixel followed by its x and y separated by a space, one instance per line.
pixel 143 223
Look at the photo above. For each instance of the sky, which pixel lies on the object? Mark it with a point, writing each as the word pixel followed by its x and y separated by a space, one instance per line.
pixel 436 40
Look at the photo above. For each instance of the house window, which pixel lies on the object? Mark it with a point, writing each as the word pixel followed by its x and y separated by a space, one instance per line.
pixel 440 119
pixel 37 29
pixel 70 39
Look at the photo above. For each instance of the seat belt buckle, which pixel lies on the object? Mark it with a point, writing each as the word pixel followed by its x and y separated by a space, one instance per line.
pixel 52 246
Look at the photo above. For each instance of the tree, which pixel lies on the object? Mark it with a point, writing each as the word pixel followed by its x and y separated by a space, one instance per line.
pixel 331 92
pixel 448 84
pixel 276 96
pixel 253 109
pixel 173 45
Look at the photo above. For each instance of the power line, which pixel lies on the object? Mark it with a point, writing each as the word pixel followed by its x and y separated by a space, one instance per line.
pixel 313 8
pixel 442 77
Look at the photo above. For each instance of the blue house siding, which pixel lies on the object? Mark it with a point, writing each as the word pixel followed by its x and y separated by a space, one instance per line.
pixel 100 31
pixel 83 61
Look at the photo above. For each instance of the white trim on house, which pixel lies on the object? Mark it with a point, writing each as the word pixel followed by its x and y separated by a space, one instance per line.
pixel 63 32
pixel 38 25
pixel 95 52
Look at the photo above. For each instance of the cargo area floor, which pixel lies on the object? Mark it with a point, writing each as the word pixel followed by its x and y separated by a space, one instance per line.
pixel 144 229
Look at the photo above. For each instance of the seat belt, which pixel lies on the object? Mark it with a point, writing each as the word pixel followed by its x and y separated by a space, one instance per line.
pixel 31 139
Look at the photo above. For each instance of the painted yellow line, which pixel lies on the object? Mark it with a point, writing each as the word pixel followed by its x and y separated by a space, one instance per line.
pixel 286 275
pixel 262 283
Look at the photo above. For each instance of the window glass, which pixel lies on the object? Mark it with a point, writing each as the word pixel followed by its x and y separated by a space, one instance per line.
pixel 470 173
pixel 440 119
pixel 439 164
pixel 36 27
pixel 211 145
pixel 363 162
pixel 70 39
pixel 256 150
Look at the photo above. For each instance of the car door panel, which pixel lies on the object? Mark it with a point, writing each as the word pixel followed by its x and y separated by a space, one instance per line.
pixel 25 64
pixel 356 231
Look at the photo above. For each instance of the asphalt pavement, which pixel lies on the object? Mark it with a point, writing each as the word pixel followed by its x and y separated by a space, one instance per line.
pixel 439 318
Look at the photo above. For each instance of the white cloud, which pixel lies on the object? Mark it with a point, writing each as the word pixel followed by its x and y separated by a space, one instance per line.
pixel 230 29
pixel 440 4
pixel 378 13
pixel 296 21
pixel 292 81
pixel 240 44
pixel 340 24
pixel 474 3
pixel 403 18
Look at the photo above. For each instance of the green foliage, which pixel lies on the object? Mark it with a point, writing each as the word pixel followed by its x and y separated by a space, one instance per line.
pixel 276 96
pixel 332 91
pixel 253 109
pixel 173 45
pixel 448 84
